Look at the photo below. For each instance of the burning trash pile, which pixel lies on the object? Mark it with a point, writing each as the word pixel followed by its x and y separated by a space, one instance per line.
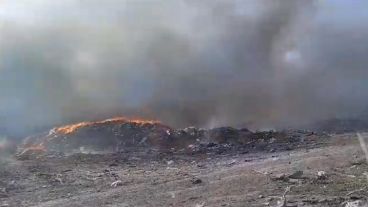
pixel 121 134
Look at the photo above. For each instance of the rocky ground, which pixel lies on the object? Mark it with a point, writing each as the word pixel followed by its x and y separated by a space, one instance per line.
pixel 314 171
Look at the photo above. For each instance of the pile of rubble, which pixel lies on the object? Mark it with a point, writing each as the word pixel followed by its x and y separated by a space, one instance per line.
pixel 111 136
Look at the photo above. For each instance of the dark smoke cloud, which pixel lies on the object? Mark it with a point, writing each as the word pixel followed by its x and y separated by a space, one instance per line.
pixel 236 62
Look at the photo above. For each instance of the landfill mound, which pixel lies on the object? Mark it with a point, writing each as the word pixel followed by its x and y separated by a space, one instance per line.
pixel 121 134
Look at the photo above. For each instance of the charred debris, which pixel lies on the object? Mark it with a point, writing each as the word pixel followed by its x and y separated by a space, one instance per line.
pixel 122 135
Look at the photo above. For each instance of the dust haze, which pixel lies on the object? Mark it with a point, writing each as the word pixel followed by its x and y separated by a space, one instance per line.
pixel 206 63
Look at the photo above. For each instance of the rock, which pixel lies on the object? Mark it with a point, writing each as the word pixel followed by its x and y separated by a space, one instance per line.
pixel 292 177
pixel 113 164
pixel 196 181
pixel 211 144
pixel 281 176
pixel 201 165
pixel 296 175
pixel 170 162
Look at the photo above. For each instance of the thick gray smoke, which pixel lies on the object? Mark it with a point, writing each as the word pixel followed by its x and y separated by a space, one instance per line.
pixel 214 62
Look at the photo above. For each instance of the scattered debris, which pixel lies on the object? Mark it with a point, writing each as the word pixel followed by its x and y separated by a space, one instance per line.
pixel 321 175
pixel 200 204
pixel 59 179
pixel 232 162
pixel 283 201
pixel 357 203
pixel 117 183
pixel 357 191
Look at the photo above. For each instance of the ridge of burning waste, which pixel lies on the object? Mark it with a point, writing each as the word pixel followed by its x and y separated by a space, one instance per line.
pixel 71 128
pixel 110 135
pixel 121 134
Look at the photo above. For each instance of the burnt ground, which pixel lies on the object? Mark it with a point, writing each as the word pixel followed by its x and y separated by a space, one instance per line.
pixel 234 177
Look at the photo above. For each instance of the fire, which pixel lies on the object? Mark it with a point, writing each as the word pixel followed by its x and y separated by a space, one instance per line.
pixel 68 129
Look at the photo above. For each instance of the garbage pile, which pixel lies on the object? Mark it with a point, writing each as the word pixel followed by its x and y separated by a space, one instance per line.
pixel 117 135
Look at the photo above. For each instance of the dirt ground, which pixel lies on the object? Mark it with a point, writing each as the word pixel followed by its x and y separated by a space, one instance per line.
pixel 331 172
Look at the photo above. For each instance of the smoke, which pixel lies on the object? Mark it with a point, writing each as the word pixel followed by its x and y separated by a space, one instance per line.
pixel 236 62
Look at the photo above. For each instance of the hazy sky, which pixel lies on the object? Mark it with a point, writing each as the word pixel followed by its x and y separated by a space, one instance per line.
pixel 205 63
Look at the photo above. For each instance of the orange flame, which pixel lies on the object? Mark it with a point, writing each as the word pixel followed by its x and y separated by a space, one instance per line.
pixel 68 129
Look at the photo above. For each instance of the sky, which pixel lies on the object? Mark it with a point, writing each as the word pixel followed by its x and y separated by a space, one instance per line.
pixel 185 62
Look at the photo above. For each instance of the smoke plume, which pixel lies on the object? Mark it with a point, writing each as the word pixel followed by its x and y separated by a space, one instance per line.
pixel 253 63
